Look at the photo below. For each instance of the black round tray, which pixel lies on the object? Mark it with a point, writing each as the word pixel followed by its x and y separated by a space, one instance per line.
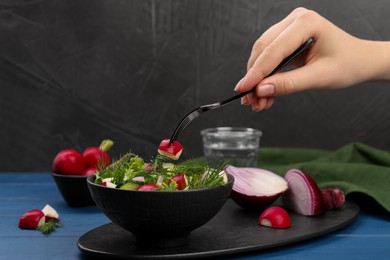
pixel 232 231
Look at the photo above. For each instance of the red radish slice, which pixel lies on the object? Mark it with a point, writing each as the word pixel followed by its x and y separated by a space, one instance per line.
pixel 32 219
pixel 108 183
pixel 303 195
pixel 172 150
pixel 275 217
pixel 254 187
pixel 181 181
pixel 69 162
pixel 148 187
pixel 148 167
pixel 50 212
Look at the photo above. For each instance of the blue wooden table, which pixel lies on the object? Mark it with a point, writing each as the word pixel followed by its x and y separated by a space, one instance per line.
pixel 367 237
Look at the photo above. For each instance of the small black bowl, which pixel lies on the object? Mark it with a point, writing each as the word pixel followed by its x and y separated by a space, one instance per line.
pixel 74 190
pixel 160 218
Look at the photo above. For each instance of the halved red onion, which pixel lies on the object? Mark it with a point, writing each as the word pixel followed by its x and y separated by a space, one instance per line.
pixel 304 196
pixel 255 188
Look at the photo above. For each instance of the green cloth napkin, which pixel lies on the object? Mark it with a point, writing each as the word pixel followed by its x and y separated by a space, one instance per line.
pixel 356 168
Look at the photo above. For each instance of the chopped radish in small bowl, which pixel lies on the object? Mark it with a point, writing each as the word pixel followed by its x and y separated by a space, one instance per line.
pixel 275 217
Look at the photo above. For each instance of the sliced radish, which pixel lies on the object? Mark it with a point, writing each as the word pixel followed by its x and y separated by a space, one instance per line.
pixel 181 181
pixel 171 150
pixel 50 212
pixel 254 187
pixel 108 183
pixel 303 195
pixel 32 219
pixel 148 167
pixel 148 187
pixel 275 217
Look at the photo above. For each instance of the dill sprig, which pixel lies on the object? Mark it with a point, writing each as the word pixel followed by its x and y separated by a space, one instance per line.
pixel 126 168
pixel 49 226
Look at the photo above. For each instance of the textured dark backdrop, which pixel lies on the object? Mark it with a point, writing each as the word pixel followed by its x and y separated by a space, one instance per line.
pixel 75 72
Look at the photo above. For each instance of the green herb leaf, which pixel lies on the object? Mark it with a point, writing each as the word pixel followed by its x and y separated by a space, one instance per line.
pixel 49 226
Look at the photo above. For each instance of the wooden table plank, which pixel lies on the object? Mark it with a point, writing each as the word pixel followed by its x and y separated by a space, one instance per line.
pixel 367 237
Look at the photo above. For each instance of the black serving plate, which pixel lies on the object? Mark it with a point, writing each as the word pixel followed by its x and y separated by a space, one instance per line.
pixel 232 231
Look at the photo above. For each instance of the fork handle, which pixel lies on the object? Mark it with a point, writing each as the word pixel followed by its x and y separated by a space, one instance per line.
pixel 283 64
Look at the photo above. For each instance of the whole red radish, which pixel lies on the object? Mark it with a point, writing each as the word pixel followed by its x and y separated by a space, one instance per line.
pixel 303 195
pixel 94 156
pixel 334 197
pixel 338 197
pixel 275 217
pixel 32 219
pixel 89 171
pixel 171 150
pixel 327 198
pixel 69 162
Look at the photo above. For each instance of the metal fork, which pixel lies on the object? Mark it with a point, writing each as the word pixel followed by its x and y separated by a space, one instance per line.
pixel 205 108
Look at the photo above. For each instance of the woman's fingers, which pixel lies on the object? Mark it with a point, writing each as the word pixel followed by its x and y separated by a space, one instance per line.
pixel 268 36
pixel 288 36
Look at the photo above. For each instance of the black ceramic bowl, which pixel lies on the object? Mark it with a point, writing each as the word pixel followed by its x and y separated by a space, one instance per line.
pixel 160 218
pixel 74 190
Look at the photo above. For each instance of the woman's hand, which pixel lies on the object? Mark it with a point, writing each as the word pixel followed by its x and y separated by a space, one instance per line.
pixel 335 60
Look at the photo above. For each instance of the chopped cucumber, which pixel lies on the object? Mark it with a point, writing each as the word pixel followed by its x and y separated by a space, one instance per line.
pixel 130 186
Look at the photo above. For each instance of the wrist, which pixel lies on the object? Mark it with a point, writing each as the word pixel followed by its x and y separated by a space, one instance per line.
pixel 378 60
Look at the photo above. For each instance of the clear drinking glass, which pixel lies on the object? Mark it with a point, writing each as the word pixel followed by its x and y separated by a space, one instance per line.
pixel 237 145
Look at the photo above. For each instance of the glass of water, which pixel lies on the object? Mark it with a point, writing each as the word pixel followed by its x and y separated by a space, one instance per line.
pixel 237 146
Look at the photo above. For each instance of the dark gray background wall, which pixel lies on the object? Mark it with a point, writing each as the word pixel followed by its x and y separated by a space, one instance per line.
pixel 75 72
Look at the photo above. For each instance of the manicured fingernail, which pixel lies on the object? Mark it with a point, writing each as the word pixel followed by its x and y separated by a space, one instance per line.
pixel 267 90
pixel 244 101
pixel 238 86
